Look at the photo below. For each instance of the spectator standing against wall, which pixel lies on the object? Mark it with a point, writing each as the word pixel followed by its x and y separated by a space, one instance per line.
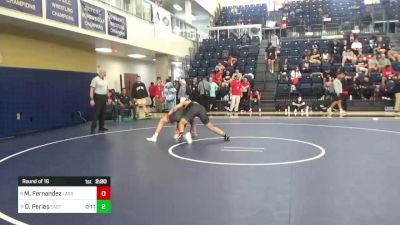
pixel 236 94
pixel 170 94
pixel 159 95
pixel 245 95
pixel 213 94
pixel 183 92
pixel 139 95
pixel 152 92
pixel 204 91
pixel 98 93
pixel 194 94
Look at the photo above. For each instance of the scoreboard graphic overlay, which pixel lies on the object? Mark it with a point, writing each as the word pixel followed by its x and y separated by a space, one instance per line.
pixel 64 194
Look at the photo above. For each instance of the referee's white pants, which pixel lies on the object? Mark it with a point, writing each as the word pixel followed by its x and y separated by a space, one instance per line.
pixel 235 100
pixel 397 103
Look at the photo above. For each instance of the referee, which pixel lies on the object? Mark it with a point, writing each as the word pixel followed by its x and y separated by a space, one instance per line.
pixel 98 93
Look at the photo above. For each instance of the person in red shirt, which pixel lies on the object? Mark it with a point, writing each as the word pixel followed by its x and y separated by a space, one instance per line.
pixel 159 95
pixel 152 92
pixel 236 93
pixel 387 73
pixel 245 94
pixel 217 77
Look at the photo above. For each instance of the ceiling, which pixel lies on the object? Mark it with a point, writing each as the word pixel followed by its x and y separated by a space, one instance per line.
pixel 199 12
pixel 31 29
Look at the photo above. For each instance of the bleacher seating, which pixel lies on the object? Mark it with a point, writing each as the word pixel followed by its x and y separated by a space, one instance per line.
pixel 312 12
pixel 311 84
pixel 243 14
pixel 213 51
pixel 392 9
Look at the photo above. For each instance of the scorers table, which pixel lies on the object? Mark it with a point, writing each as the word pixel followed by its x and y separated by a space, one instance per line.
pixel 64 194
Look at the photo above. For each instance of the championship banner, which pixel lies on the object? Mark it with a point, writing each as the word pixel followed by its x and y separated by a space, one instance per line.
pixel 116 25
pixel 64 11
pixel 93 17
pixel 162 22
pixel 33 7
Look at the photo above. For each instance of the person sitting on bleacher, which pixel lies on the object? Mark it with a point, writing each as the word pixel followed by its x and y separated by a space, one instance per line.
pixel 305 65
pixel 111 105
pixel 383 62
pixel 299 105
pixel 335 48
pixel 326 57
pixel 124 102
pixel 380 46
pixel 315 57
pixel 357 47
pixel 361 65
pixel 285 67
pixel 366 88
pixel 295 77
pixel 255 98
pixel 348 56
pixel 373 65
pixel 393 55
pixel 387 73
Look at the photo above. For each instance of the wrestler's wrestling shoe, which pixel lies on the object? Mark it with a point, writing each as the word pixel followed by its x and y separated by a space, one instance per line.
pixel 226 138
pixel 188 138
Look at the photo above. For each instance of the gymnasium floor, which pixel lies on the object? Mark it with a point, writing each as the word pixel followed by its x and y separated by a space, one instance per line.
pixel 275 170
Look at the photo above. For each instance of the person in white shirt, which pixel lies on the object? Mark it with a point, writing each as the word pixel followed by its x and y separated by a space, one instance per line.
pixel 357 47
pixel 295 73
pixel 295 77
pixel 98 95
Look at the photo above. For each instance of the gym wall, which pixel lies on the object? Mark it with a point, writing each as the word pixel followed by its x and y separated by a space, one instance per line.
pixel 115 66
pixel 44 81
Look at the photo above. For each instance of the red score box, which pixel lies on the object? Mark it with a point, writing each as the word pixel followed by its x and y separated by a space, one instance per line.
pixel 103 193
